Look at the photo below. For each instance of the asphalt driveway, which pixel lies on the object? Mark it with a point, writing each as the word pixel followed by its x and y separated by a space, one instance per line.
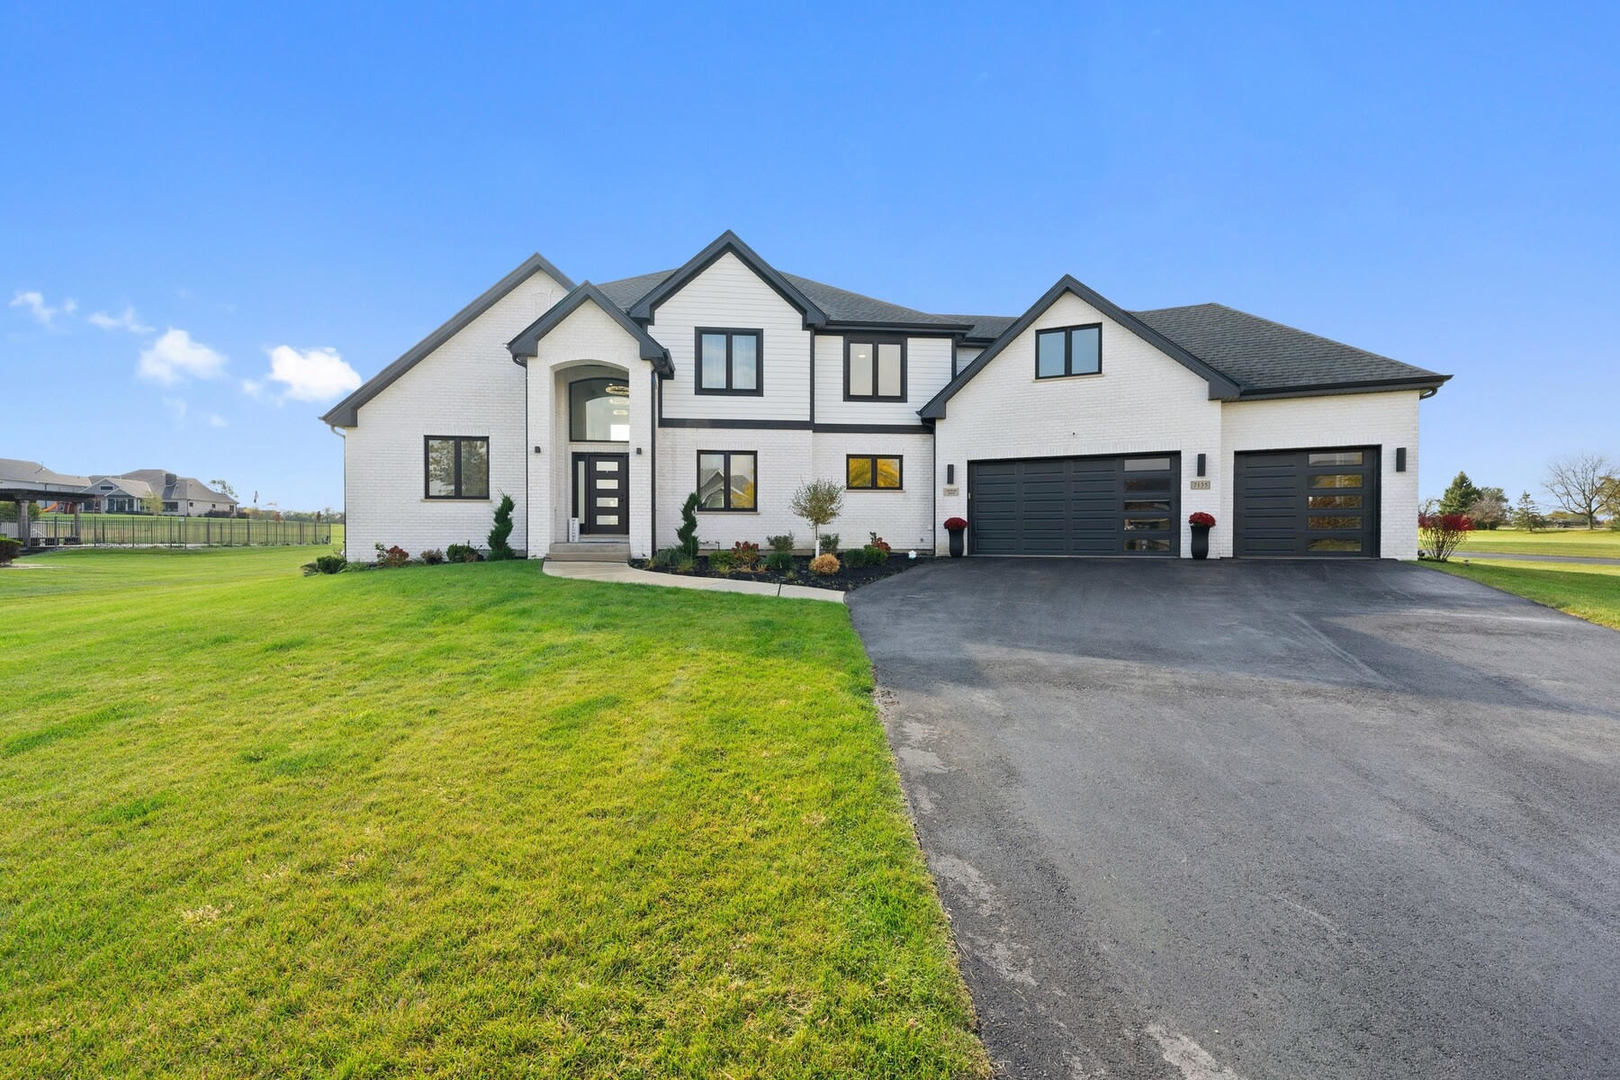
pixel 1252 820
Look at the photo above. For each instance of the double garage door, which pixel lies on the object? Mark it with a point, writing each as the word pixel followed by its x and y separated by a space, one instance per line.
pixel 1075 506
pixel 1307 502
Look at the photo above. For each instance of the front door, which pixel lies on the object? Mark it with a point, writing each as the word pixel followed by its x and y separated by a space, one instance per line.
pixel 602 494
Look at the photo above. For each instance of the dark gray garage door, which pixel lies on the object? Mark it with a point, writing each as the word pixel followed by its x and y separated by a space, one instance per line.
pixel 1307 502
pixel 1075 506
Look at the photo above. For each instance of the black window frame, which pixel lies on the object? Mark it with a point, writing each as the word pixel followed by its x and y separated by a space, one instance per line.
pixel 427 493
pixel 905 366
pixel 726 483
pixel 573 436
pixel 730 332
pixel 873 459
pixel 1068 350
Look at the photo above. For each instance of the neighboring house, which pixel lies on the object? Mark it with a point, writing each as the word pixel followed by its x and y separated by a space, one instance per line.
pixel 118 495
pixel 182 496
pixel 1074 428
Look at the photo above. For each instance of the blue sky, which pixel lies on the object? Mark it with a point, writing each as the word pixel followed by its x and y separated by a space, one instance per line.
pixel 1440 185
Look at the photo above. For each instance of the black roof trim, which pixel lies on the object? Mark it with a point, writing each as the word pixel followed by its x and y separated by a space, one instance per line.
pixel 947 330
pixel 1369 386
pixel 527 343
pixel 346 412
pixel 728 241
pixel 1220 387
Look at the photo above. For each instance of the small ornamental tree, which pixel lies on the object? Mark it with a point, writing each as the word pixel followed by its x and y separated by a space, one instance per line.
pixel 498 536
pixel 818 502
pixel 1460 496
pixel 1440 534
pixel 687 533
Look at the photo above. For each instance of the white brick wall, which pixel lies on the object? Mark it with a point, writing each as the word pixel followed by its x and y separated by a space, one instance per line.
pixel 1143 401
pixel 785 462
pixel 468 386
pixel 731 296
pixel 1387 420
pixel 903 518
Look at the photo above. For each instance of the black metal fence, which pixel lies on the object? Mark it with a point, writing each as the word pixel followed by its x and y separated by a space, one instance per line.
pixel 146 530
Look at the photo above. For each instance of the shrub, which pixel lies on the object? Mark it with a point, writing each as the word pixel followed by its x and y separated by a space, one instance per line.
pixel 684 563
pixel 332 563
pixel 780 562
pixel 825 564
pixel 721 562
pixel 433 556
pixel 9 549
pixel 463 553
pixel 867 555
pixel 687 533
pixel 955 524
pixel 1439 535
pixel 878 542
pixel 827 544
pixel 780 543
pixel 818 502
pixel 498 547
pixel 391 558
pixel 745 556
pixel 665 558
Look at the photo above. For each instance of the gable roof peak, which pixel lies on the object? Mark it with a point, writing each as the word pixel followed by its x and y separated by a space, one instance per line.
pixel 527 342
pixel 728 242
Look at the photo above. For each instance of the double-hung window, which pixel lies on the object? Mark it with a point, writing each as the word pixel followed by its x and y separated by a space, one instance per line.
pixel 729 361
pixel 1068 350
pixel 872 472
pixel 457 466
pixel 874 369
pixel 727 479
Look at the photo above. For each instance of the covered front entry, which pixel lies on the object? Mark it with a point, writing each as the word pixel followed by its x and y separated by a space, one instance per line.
pixel 1123 505
pixel 1321 502
pixel 602 494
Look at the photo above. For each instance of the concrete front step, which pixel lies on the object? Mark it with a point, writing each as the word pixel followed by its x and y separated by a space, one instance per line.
pixel 605 551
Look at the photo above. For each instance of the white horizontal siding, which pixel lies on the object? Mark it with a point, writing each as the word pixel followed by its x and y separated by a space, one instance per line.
pixel 928 369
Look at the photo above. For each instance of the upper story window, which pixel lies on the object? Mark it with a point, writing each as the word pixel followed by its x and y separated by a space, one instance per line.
pixel 1068 350
pixel 457 466
pixel 728 361
pixel 874 369
pixel 599 410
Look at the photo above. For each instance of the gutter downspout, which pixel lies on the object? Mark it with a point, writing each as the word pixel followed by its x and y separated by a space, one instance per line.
pixel 656 400
pixel 339 433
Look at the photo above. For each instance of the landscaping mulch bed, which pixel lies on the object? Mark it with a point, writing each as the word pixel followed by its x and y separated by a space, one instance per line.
pixel 846 579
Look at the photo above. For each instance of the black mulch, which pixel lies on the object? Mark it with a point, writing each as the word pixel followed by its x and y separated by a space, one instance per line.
pixel 847 578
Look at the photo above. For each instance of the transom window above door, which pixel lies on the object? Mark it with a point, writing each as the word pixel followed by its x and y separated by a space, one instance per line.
pixel 1068 350
pixel 599 410
pixel 874 369
pixel 728 361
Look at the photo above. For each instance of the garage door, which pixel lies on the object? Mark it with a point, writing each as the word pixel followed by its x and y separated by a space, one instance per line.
pixel 1074 506
pixel 1307 502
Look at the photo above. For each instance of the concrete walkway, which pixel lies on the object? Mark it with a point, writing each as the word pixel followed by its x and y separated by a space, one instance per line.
pixel 629 575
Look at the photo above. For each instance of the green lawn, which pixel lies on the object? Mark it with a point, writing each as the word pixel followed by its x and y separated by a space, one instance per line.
pixel 450 821
pixel 1589 591
pixel 1603 543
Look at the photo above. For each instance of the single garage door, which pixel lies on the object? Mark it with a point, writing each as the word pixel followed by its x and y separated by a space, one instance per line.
pixel 1307 502
pixel 1075 506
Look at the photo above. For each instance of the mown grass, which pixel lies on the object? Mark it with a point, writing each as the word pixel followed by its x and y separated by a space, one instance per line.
pixel 1590 591
pixel 1598 543
pixel 450 821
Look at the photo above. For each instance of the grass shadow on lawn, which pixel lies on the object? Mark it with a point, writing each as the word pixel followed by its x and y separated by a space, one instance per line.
pixel 456 820
pixel 1591 592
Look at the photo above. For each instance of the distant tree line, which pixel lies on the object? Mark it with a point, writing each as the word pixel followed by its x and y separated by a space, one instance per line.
pixel 1583 487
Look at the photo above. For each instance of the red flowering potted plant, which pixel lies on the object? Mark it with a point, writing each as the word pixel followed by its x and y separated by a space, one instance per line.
pixel 1201 524
pixel 955 526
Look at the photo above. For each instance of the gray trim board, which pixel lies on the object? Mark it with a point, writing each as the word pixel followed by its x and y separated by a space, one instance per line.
pixel 346 412
pixel 527 343
pixel 728 241
pixel 710 422
pixel 1221 388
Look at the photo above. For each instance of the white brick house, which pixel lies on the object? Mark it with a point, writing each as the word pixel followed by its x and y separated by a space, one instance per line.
pixel 1074 428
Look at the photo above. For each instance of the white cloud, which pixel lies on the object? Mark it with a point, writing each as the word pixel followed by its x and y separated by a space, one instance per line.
pixel 311 375
pixel 176 407
pixel 253 388
pixel 174 356
pixel 216 420
pixel 34 301
pixel 125 321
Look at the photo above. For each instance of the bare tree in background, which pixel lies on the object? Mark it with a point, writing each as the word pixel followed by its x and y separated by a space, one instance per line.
pixel 1581 484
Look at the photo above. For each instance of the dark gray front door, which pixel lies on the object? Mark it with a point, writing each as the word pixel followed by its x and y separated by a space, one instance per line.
pixel 1321 502
pixel 602 493
pixel 1075 506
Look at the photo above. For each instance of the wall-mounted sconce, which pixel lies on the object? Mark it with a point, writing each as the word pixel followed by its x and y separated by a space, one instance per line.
pixel 537 449
pixel 950 474
pixel 1201 463
pixel 1400 459
pixel 638 450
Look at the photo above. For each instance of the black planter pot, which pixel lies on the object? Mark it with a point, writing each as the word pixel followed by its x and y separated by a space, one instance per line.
pixel 956 543
pixel 1200 541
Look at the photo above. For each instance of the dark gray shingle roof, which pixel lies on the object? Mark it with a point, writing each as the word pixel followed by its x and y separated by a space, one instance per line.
pixel 1261 355
pixel 841 305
